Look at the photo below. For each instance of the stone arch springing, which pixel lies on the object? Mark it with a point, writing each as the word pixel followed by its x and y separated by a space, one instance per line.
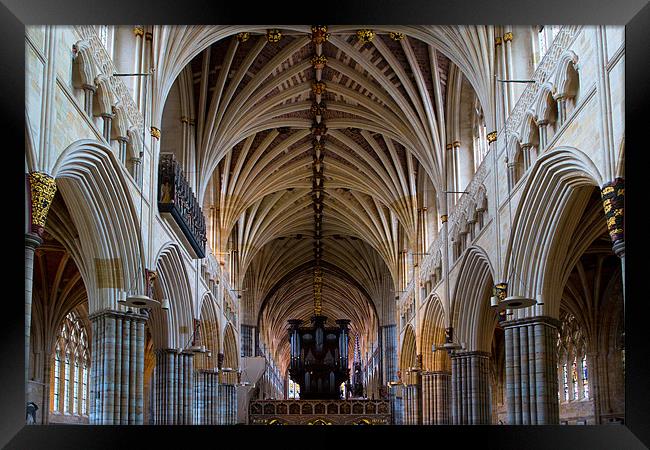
pixel 173 328
pixel 209 335
pixel 408 355
pixel 92 183
pixel 541 224
pixel 230 354
pixel 472 318
pixel 433 333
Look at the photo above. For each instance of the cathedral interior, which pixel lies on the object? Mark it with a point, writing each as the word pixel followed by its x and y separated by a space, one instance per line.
pixel 332 225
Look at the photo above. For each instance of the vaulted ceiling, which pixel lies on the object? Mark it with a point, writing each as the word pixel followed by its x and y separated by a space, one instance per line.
pixel 253 105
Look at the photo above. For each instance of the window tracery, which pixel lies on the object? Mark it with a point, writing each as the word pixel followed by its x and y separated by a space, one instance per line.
pixel 69 385
pixel 479 135
pixel 572 357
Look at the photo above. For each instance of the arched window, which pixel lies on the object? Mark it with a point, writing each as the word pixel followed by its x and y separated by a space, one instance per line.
pixel 294 389
pixel 479 135
pixel 585 377
pixel 572 360
pixel 545 36
pixel 69 384
pixel 105 33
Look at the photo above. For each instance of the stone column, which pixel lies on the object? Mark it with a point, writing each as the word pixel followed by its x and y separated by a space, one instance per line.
pixel 525 151
pixel 122 142
pixel 117 368
pixel 507 43
pixel 389 368
pixel 613 196
pixel 542 124
pixel 89 92
pixel 42 189
pixel 206 384
pixel 436 398
pixel 136 169
pixel 106 131
pixel 397 404
pixel 470 388
pixel 561 110
pixel 512 175
pixel 227 405
pixel 173 385
pixel 531 371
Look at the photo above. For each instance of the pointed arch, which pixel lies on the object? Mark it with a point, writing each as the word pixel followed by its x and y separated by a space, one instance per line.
pixel 432 332
pixel 472 318
pixel 173 328
pixel 542 222
pixel 92 182
pixel 408 352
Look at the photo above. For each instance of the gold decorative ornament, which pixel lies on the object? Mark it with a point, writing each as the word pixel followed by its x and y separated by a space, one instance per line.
pixel 396 36
pixel 138 31
pixel 456 143
pixel 317 109
pixel 318 88
pixel 507 37
pixel 273 35
pixel 497 41
pixel 243 36
pixel 613 195
pixel 491 137
pixel 319 129
pixel 501 291
pixel 319 61
pixel 449 147
pixel 155 132
pixel 148 36
pixel 184 119
pixel 443 218
pixel 365 35
pixel 42 189
pixel 319 34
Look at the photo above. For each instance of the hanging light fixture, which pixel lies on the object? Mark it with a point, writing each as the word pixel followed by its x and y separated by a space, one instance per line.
pixel 164 305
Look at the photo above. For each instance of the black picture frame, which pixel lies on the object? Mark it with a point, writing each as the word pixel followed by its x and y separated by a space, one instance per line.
pixel 634 14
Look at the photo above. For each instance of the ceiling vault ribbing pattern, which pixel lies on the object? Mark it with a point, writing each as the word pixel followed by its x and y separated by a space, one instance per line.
pixel 276 107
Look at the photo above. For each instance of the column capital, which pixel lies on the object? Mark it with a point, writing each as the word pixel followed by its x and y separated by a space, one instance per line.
pixel 545 320
pixel 114 313
pixel 33 240
pixel 470 354
pixel 155 132
pixel 42 188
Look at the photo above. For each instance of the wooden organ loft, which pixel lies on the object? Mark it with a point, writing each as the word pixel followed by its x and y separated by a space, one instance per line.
pixel 319 357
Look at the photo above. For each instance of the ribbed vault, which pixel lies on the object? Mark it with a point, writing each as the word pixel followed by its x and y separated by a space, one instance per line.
pixel 253 105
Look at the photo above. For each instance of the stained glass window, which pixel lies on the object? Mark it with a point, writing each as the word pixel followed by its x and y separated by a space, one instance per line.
pixel 66 387
pixel 72 358
pixel 565 380
pixel 57 381
pixel 75 404
pixel 84 409
pixel 585 377
pixel 574 378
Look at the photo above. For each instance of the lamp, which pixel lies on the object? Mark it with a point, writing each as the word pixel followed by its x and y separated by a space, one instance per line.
pixel 164 305
pixel 139 301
